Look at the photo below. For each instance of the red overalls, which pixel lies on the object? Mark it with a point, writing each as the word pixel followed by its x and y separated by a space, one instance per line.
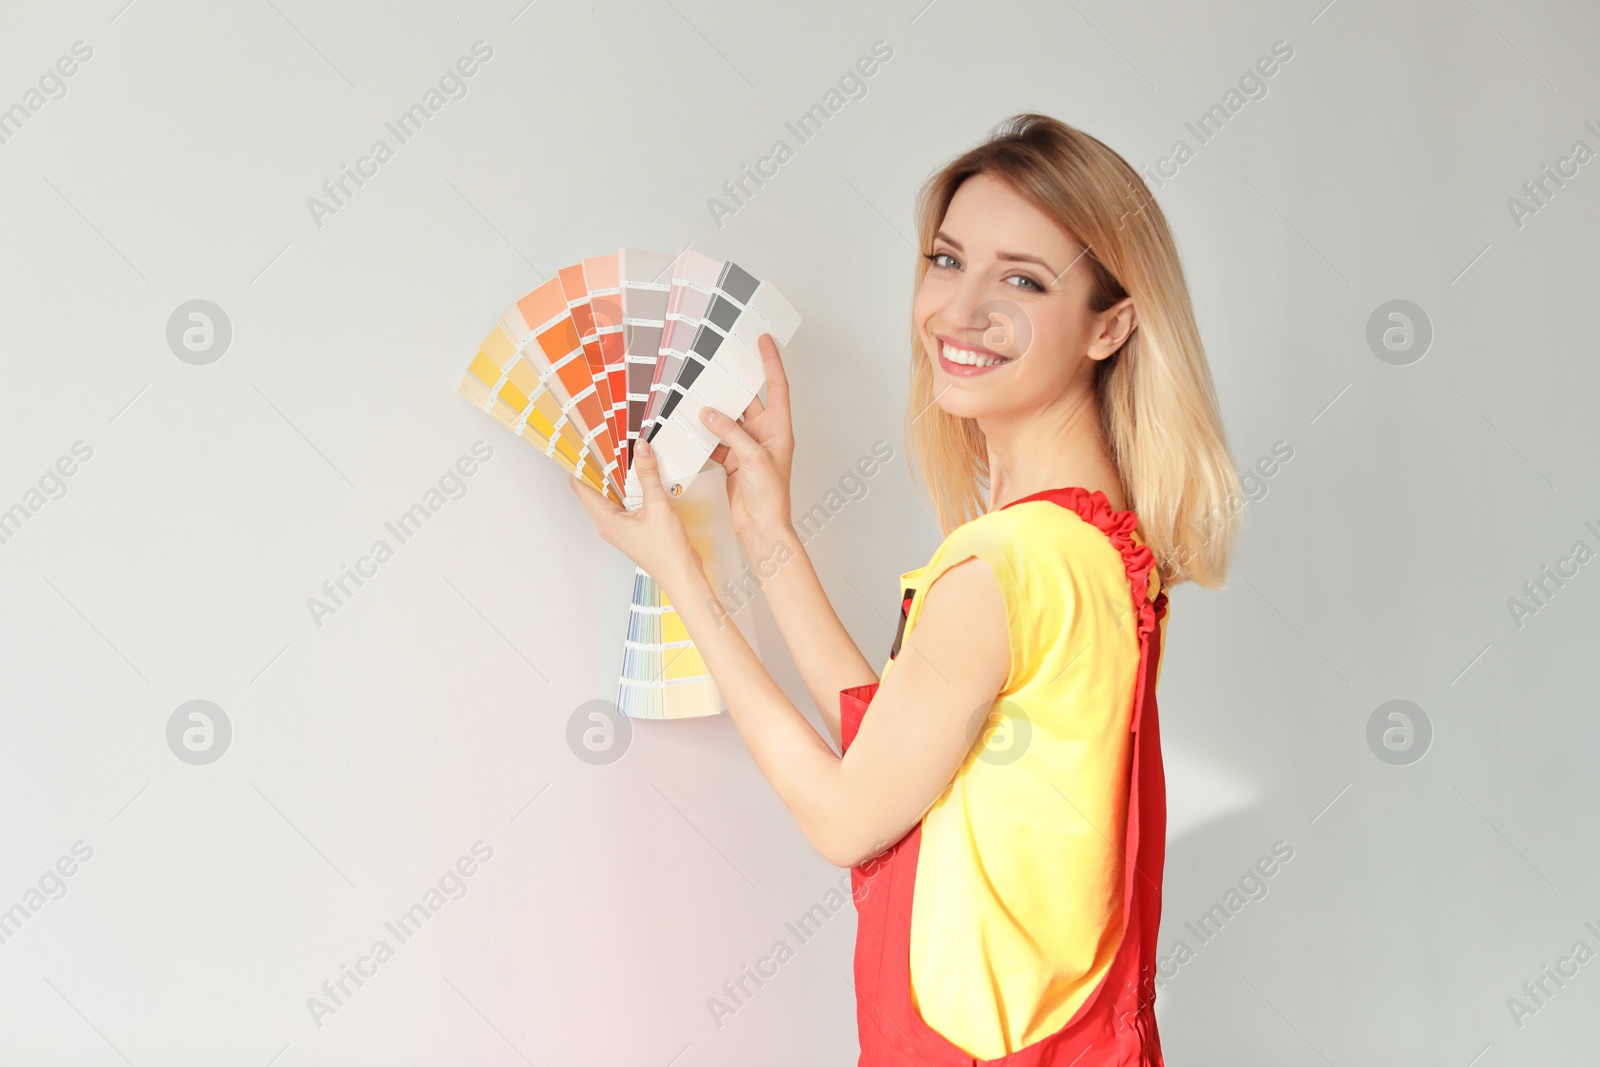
pixel 1116 1025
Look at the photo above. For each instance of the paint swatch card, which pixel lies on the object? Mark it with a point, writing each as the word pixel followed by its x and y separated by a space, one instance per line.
pixel 580 307
pixel 548 339
pixel 601 275
pixel 502 381
pixel 626 345
pixel 694 278
pixel 646 281
pixel 663 676
pixel 721 367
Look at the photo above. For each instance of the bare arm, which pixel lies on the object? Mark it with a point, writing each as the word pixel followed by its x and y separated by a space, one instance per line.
pixel 925 714
pixel 924 717
pixel 827 657
pixel 757 453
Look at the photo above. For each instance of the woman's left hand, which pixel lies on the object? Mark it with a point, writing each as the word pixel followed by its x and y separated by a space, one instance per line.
pixel 651 535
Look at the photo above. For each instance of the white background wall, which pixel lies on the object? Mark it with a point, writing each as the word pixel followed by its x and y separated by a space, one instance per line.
pixel 370 753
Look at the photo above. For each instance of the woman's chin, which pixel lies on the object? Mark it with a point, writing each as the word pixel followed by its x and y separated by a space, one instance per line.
pixel 962 407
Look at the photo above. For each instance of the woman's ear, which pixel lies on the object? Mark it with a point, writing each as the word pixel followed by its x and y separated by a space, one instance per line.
pixel 1116 324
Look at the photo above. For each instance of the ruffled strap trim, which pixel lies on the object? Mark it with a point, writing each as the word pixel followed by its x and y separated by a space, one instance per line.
pixel 1119 526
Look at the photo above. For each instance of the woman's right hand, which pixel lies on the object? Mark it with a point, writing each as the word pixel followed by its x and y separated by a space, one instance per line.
pixel 757 452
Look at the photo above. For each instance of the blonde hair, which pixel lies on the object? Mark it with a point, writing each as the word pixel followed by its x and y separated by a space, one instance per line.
pixel 1157 405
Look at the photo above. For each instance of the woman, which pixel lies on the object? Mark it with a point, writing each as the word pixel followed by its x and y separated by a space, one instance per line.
pixel 1008 888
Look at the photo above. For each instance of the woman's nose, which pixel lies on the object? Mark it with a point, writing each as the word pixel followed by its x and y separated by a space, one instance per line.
pixel 979 317
pixel 963 313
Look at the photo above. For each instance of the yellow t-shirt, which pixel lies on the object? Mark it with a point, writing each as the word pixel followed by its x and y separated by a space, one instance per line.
pixel 1017 911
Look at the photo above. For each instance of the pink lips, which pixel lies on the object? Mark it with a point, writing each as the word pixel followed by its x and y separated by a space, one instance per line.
pixel 964 370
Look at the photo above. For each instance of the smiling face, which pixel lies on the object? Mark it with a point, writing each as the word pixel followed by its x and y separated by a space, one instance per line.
pixel 1003 310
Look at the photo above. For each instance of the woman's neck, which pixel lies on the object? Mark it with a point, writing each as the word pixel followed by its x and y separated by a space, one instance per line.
pixel 1050 450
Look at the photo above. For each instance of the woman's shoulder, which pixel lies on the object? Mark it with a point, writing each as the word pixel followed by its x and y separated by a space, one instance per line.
pixel 1043 532
pixel 1042 555
pixel 1090 542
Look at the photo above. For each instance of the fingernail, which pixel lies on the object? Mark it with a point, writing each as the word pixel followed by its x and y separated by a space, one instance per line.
pixel 644 447
pixel 710 414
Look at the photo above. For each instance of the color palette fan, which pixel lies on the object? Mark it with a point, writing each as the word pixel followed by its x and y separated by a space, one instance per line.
pixel 625 346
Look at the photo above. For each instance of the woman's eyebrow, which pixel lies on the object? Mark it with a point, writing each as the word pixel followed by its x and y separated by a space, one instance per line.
pixel 1016 257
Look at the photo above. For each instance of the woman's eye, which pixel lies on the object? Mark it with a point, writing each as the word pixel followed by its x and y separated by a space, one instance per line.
pixel 945 261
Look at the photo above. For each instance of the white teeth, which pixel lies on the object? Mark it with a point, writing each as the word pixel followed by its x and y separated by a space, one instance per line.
pixel 969 357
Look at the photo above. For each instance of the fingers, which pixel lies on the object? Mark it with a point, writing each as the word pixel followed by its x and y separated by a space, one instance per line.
pixel 728 458
pixel 644 462
pixel 777 380
pixel 731 434
pixel 600 508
